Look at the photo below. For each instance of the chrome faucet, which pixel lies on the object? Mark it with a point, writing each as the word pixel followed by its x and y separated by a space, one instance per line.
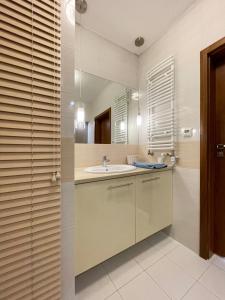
pixel 105 160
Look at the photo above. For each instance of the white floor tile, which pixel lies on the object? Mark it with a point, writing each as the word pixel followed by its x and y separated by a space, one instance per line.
pixel 171 278
pixel 142 288
pixel 122 268
pixel 219 261
pixel 173 270
pixel 151 250
pixel 115 296
pixel 193 264
pixel 94 285
pixel 214 280
pixel 198 292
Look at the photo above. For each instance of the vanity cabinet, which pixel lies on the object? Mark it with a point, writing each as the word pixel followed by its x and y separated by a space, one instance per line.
pixel 112 215
pixel 104 220
pixel 153 203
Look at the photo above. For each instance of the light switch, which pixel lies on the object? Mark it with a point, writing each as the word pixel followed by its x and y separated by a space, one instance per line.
pixel 187 132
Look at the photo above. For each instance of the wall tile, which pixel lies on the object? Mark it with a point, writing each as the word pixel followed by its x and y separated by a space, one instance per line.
pixel 67 156
pixel 188 154
pixel 186 207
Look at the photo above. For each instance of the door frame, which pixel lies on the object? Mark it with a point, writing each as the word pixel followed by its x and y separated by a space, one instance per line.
pixel 207 151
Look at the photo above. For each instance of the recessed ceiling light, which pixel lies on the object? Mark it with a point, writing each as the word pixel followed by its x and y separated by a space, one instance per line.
pixel 139 41
pixel 81 6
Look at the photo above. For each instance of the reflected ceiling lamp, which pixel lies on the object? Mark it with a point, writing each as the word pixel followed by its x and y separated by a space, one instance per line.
pixel 139 117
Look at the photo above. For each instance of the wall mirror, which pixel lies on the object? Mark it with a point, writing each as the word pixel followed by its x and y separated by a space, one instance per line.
pixel 105 111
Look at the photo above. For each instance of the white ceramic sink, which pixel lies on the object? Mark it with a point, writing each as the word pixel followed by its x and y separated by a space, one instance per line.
pixel 110 169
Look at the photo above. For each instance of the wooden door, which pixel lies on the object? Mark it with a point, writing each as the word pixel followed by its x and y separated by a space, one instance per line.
pixel 212 167
pixel 219 203
pixel 103 128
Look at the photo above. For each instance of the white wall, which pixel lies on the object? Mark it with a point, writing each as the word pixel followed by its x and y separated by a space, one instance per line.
pixel 95 55
pixel 202 25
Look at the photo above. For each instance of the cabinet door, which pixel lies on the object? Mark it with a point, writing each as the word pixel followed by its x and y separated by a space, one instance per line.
pixel 104 220
pixel 153 203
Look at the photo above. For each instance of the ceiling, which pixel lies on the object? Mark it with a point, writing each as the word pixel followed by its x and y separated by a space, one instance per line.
pixel 122 21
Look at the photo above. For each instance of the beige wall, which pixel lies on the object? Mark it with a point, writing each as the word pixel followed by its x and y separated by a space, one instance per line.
pixel 67 130
pixel 200 26
pixel 102 58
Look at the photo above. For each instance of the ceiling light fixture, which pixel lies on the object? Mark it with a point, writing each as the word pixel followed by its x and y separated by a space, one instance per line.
pixel 139 41
pixel 81 6
pixel 139 117
pixel 80 120
pixel 122 125
pixel 135 96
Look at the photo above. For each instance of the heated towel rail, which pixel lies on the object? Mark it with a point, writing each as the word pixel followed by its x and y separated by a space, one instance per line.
pixel 160 105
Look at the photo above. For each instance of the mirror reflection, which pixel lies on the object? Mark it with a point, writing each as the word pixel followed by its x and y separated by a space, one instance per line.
pixel 105 111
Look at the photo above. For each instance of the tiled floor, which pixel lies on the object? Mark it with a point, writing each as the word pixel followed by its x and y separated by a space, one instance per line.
pixel 156 269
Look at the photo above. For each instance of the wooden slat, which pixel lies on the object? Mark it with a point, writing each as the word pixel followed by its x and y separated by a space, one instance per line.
pixel 41 84
pixel 25 31
pixel 29 106
pixel 22 21
pixel 27 26
pixel 28 96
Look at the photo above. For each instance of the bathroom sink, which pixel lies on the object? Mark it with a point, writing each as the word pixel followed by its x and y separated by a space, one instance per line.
pixel 110 169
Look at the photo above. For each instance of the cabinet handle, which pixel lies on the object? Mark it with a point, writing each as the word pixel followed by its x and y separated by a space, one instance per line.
pixel 150 179
pixel 119 186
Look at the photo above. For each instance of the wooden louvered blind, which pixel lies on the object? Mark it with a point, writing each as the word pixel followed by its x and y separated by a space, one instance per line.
pixel 29 149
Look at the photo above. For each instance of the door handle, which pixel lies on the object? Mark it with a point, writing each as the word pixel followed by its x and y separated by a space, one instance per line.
pixel 150 179
pixel 220 146
pixel 220 150
pixel 119 186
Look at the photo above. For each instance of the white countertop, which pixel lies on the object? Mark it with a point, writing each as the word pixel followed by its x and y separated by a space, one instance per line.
pixel 84 177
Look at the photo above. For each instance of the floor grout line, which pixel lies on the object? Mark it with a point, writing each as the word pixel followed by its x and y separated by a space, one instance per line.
pixel 157 260
pixel 215 265
pixel 117 289
pixel 206 286
pixel 108 276
pixel 187 273
pixel 188 290
pixel 120 295
pixel 158 285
